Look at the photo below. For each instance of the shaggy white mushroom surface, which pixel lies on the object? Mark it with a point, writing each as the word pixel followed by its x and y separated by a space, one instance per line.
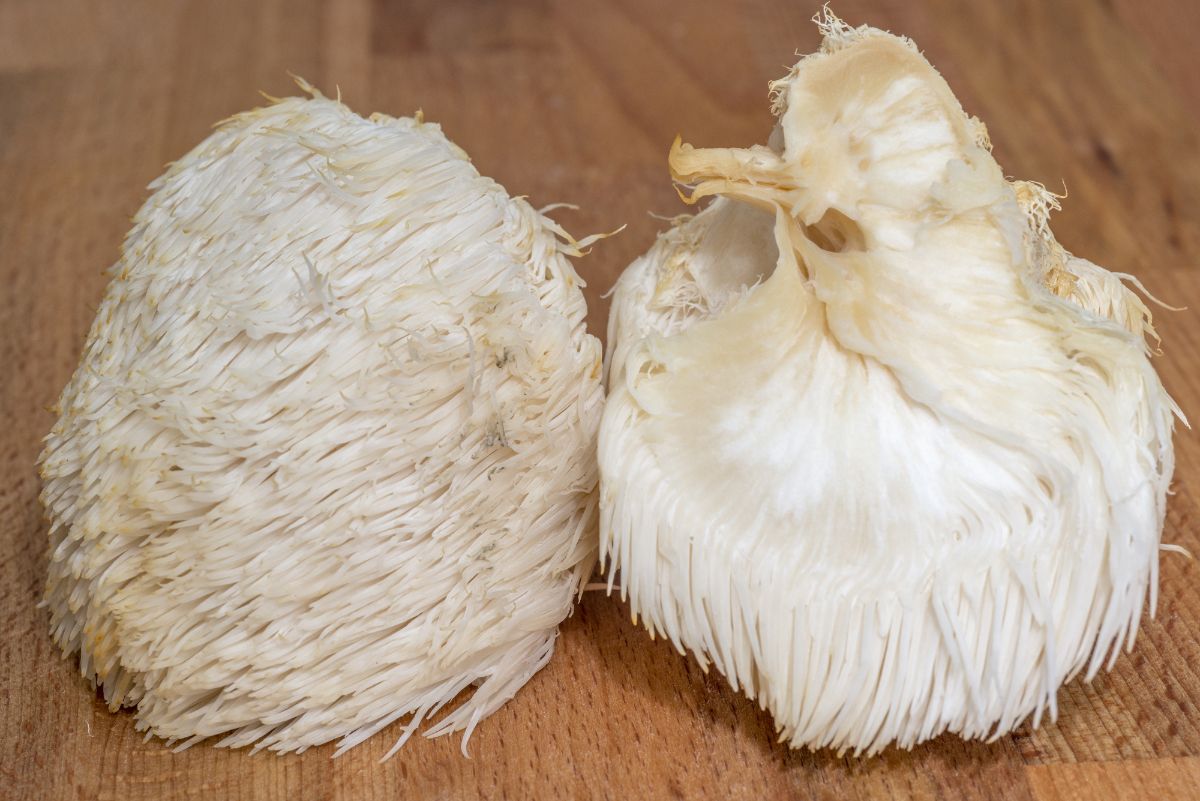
pixel 329 457
pixel 876 446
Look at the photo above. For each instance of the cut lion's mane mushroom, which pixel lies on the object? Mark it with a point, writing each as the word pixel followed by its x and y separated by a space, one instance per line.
pixel 876 445
pixel 328 459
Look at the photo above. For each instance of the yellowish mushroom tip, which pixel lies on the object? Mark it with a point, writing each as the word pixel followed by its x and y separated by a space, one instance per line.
pixel 306 87
pixel 680 151
pixel 686 198
pixel 592 239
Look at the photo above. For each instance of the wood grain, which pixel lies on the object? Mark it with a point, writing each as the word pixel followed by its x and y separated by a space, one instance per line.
pixel 578 101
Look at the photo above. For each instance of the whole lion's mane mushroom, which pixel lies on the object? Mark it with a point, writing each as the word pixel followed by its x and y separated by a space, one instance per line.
pixel 877 446
pixel 328 458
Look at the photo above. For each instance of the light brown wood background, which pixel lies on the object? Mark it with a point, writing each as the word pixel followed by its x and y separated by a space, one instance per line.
pixel 579 101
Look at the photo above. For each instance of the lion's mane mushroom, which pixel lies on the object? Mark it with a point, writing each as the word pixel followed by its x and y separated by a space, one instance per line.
pixel 328 458
pixel 877 446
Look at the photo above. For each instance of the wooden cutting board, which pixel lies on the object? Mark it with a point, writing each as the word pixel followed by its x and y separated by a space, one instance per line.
pixel 579 101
